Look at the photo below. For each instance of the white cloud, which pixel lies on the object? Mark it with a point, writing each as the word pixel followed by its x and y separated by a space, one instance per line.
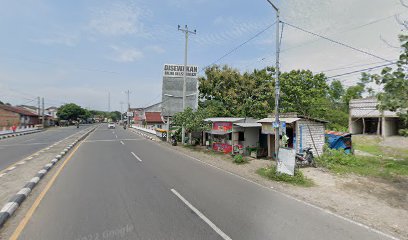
pixel 125 55
pixel 156 49
pixel 185 3
pixel 69 40
pixel 233 29
pixel 119 18
pixel 337 20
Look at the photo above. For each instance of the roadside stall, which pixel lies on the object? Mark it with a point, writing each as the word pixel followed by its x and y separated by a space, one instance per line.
pixel 220 138
pixel 248 135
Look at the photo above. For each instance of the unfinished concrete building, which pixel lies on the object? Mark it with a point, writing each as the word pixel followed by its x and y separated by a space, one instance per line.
pixel 365 118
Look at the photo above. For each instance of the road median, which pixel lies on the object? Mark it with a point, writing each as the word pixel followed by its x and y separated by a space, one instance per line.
pixel 11 181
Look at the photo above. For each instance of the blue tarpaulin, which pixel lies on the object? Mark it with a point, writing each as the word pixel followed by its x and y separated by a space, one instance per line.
pixel 339 140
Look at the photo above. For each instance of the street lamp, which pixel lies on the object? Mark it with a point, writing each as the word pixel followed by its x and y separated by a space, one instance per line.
pixel 277 85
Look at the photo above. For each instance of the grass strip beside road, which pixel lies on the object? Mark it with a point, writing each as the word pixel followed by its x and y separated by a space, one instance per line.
pixel 373 166
pixel 298 179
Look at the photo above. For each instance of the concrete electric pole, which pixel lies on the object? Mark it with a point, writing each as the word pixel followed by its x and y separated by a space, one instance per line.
pixel 277 84
pixel 121 112
pixel 42 113
pixel 186 32
pixel 128 108
pixel 108 102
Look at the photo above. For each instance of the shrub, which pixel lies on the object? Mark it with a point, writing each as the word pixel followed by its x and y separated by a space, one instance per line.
pixel 298 179
pixel 333 157
pixel 239 159
pixel 403 132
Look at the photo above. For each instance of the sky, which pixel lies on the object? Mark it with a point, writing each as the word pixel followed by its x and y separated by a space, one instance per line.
pixel 83 51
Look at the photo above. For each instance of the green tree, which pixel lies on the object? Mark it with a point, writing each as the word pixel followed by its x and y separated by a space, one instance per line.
pixel 336 91
pixel 71 112
pixel 115 116
pixel 234 94
pixel 395 84
pixel 304 92
pixel 193 121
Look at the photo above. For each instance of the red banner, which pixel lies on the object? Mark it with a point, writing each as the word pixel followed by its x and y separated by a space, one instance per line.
pixel 222 147
pixel 222 126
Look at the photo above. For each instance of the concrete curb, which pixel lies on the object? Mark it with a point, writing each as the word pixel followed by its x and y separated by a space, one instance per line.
pixel 143 134
pixel 10 207
pixel 18 134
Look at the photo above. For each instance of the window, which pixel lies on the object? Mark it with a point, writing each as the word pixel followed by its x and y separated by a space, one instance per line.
pixel 241 136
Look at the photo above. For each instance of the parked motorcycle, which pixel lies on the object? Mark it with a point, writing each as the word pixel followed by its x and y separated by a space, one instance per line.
pixel 124 126
pixel 173 141
pixel 305 158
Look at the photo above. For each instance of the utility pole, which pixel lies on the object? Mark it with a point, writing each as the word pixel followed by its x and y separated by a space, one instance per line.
pixel 121 112
pixel 186 32
pixel 108 102
pixel 42 113
pixel 39 106
pixel 128 108
pixel 277 84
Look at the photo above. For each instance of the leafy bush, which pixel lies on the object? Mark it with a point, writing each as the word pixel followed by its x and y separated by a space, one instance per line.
pixel 333 157
pixel 298 179
pixel 239 159
pixel 403 132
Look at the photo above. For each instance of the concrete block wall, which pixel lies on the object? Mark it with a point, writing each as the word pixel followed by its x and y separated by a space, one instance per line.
pixel 316 130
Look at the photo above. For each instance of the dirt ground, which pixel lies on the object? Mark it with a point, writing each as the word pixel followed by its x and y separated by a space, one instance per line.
pixel 374 202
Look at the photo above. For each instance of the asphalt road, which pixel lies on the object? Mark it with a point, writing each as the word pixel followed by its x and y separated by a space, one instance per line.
pixel 17 148
pixel 121 186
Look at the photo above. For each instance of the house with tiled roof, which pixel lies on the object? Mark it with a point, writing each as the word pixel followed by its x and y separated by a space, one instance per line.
pixel 18 116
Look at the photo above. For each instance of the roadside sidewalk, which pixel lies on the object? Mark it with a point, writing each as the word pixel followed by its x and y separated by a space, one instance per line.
pixel 375 203
pixel 9 135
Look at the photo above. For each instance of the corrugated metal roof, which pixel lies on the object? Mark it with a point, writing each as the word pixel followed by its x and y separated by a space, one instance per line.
pixel 248 125
pixel 271 120
pixel 223 119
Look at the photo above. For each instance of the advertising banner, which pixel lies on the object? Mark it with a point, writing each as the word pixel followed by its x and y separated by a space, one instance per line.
pixel 172 88
pixel 222 126
pixel 287 161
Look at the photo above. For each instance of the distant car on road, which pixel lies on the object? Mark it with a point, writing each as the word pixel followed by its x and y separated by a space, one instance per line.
pixel 111 125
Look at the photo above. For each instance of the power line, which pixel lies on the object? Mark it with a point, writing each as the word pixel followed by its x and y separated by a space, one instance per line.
pixel 351 29
pixel 362 70
pixel 239 46
pixel 337 42
pixel 351 66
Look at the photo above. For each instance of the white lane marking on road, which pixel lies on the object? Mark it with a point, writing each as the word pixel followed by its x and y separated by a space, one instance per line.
pixel 293 198
pixel 116 136
pixel 202 216
pixel 138 158
pixel 122 142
